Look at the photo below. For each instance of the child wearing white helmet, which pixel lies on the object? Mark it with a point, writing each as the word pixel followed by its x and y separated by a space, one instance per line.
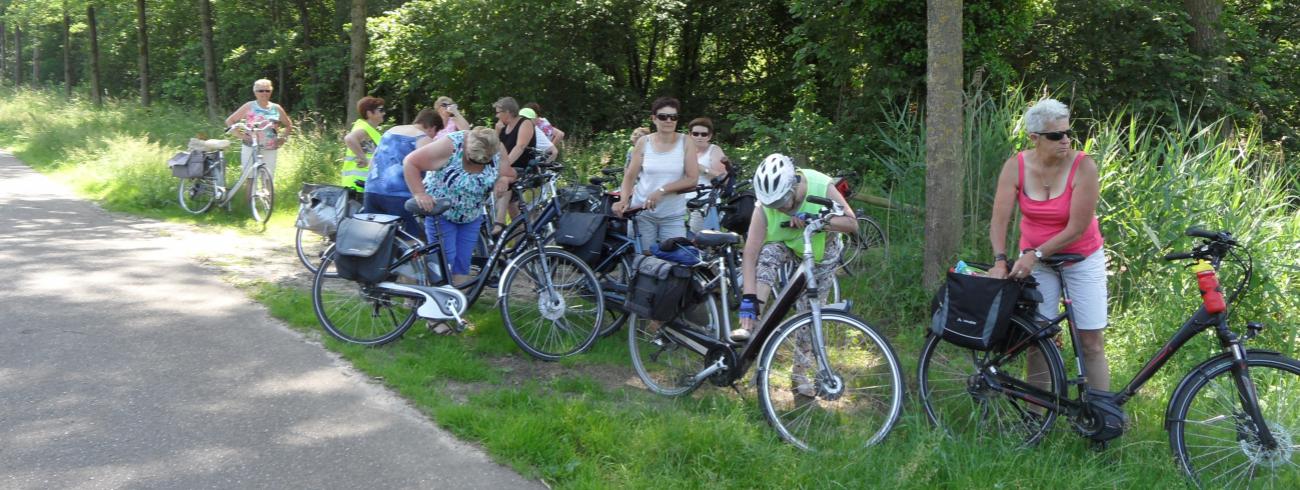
pixel 782 191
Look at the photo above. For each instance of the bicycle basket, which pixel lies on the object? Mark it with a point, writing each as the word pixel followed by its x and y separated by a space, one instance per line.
pixel 579 197
pixel 322 207
pixel 366 245
pixel 583 234
pixel 187 164
pixel 974 311
pixel 660 289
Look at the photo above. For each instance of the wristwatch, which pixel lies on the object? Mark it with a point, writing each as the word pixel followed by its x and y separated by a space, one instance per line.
pixel 1002 257
pixel 662 191
pixel 1037 254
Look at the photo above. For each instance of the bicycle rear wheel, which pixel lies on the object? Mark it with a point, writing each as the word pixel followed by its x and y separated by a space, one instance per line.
pixel 359 313
pixel 812 410
pixel 261 195
pixel 664 365
pixel 198 194
pixel 311 248
pixel 551 303
pixel 957 386
pixel 1217 443
pixel 618 279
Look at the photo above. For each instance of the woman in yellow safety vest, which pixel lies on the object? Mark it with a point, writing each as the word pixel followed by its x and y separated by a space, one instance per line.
pixel 362 141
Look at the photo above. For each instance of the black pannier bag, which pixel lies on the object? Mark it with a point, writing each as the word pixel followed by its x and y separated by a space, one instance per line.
pixel 736 213
pixel 365 246
pixel 660 289
pixel 974 311
pixel 583 234
pixel 322 207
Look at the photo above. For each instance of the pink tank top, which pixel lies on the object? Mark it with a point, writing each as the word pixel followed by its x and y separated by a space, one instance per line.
pixel 1042 220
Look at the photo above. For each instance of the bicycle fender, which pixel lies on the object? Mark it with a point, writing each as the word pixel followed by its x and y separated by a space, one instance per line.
pixel 1202 370
pixel 510 266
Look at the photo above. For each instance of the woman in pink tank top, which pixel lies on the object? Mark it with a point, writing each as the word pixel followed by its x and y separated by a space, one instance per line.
pixel 1056 189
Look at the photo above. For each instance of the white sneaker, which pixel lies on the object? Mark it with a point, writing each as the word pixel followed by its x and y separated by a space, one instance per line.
pixel 739 335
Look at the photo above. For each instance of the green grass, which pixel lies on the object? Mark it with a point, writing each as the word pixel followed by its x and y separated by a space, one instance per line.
pixel 585 422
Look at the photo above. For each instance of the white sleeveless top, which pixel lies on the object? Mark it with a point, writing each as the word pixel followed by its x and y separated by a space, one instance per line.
pixel 658 170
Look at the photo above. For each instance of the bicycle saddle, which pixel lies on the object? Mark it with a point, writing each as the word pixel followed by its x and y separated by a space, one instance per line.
pixel 439 206
pixel 1062 259
pixel 714 239
pixel 597 181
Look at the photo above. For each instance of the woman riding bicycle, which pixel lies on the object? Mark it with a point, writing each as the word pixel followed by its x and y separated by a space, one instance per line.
pixel 1057 189
pixel 386 190
pixel 463 166
pixel 776 233
pixel 257 112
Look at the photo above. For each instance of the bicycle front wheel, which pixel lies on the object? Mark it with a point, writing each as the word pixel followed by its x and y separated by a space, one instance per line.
pixel 854 405
pixel 551 303
pixel 362 313
pixel 665 365
pixel 261 195
pixel 197 195
pixel 1219 445
pixel 311 248
pixel 958 386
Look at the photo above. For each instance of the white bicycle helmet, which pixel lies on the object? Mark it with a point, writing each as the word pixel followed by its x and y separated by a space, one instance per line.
pixel 773 179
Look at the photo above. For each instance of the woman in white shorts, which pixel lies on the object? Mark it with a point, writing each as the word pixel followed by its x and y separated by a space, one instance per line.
pixel 1056 189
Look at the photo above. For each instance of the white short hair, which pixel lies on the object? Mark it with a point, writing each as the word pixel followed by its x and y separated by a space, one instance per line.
pixel 263 83
pixel 1044 112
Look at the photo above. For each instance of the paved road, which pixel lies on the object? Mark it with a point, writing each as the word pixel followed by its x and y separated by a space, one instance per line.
pixel 124 364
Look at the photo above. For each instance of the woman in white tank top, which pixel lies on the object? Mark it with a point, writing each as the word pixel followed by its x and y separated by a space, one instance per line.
pixel 658 174
pixel 709 160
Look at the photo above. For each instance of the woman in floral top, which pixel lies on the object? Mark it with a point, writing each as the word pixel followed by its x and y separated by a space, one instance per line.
pixel 463 167
pixel 255 112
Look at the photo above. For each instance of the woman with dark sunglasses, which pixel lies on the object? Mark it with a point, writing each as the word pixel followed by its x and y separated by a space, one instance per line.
pixel 661 169
pixel 452 120
pixel 708 157
pixel 255 112
pixel 1056 188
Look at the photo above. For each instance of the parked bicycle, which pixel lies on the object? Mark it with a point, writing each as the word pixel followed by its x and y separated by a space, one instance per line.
pixel 198 194
pixel 868 249
pixel 1232 420
pixel 320 210
pixel 550 301
pixel 826 379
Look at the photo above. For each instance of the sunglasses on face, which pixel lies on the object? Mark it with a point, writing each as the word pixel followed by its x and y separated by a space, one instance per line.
pixel 702 135
pixel 784 202
pixel 381 109
pixel 663 116
pixel 263 91
pixel 1057 135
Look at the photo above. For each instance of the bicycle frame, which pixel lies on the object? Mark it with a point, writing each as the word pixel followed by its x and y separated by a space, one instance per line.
pixel 805 283
pixel 245 174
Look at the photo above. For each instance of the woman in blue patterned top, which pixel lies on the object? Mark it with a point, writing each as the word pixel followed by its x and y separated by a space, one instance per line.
pixel 463 167
pixel 386 191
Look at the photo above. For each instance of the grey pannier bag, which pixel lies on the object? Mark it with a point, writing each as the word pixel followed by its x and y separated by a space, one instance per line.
pixel 321 208
pixel 187 164
pixel 365 247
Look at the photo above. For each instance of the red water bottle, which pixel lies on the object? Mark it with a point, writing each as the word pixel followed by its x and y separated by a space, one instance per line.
pixel 1208 282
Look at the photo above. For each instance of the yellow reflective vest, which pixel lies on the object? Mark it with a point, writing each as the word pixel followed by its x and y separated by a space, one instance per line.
pixel 351 173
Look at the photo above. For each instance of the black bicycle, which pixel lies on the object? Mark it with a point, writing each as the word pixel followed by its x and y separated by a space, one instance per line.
pixel 1232 421
pixel 826 379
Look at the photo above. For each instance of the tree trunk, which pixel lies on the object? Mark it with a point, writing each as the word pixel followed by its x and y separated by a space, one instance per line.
pixel 286 94
pixel 357 69
pixel 96 93
pixel 67 51
pixel 943 138
pixel 144 51
pixel 1206 38
pixel 4 51
pixel 650 60
pixel 18 56
pixel 36 62
pixel 209 59
pixel 308 57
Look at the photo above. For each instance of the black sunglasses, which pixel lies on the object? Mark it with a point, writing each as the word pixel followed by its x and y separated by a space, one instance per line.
pixel 1057 135
pixel 263 91
pixel 702 135
pixel 666 117
pixel 380 109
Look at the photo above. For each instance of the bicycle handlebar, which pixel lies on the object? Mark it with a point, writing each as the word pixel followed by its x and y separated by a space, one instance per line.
pixel 245 127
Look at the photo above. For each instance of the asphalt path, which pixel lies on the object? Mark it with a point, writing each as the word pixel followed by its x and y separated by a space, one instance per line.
pixel 124 364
